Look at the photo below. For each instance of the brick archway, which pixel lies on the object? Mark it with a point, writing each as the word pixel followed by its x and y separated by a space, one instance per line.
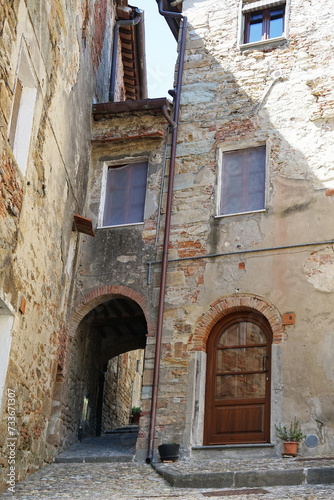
pixel 96 296
pixel 233 303
pixel 68 394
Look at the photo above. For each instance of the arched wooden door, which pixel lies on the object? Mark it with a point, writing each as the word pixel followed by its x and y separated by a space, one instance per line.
pixel 237 406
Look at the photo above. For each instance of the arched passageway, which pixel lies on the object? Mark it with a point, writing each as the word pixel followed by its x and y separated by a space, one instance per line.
pixel 103 374
pixel 119 327
pixel 113 336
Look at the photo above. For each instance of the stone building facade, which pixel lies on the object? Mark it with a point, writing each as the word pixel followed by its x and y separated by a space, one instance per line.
pixel 251 246
pixel 247 300
pixel 56 60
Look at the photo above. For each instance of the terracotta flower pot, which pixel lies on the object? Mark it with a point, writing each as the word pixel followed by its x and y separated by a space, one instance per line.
pixel 290 448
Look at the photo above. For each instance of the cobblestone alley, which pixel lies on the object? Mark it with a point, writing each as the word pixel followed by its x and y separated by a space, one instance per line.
pixel 130 481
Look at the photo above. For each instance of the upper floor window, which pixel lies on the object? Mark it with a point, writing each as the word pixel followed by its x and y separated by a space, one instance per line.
pixel 21 122
pixel 243 181
pixel 124 197
pixel 263 20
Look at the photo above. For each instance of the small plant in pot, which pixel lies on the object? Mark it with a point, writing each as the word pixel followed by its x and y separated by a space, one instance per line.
pixel 291 436
pixel 135 413
pixel 169 452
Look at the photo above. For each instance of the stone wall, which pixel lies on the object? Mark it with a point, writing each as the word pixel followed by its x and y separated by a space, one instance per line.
pixel 120 389
pixel 233 98
pixel 275 261
pixel 54 49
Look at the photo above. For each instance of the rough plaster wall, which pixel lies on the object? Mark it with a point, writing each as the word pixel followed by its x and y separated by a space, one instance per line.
pixel 36 210
pixel 231 99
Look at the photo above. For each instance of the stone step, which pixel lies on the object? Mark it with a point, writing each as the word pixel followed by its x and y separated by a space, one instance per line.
pixel 236 451
pixel 128 429
pixel 93 459
pixel 233 474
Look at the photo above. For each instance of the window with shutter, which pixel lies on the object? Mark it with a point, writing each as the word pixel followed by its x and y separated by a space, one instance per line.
pixel 125 193
pixel 21 123
pixel 243 181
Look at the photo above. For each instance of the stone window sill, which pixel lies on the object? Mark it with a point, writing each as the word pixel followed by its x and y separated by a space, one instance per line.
pixel 220 216
pixel 132 224
pixel 264 44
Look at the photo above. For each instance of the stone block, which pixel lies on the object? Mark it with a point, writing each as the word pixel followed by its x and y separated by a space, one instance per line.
pixel 197 480
pixel 323 475
pixel 198 93
pixel 282 477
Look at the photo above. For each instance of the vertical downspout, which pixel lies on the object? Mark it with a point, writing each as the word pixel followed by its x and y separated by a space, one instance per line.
pixel 142 57
pixel 167 231
pixel 125 22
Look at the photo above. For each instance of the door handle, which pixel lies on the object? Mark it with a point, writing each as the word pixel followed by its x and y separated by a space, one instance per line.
pixel 264 359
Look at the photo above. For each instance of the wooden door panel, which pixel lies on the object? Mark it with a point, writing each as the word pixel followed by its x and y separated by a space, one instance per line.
pixel 238 424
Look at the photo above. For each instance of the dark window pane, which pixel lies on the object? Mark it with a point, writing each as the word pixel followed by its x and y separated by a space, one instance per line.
pixel 276 13
pixel 256 17
pixel 125 194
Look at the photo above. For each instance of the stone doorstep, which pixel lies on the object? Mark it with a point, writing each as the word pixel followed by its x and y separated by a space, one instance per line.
pixel 246 479
pixel 94 459
pixel 130 429
pixel 235 451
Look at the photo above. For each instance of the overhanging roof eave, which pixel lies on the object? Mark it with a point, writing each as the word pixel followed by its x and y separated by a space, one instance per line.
pixel 129 106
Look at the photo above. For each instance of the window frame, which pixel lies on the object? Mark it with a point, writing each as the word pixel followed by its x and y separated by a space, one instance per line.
pixel 246 10
pixel 115 164
pixel 20 130
pixel 232 149
pixel 6 325
pixel 265 23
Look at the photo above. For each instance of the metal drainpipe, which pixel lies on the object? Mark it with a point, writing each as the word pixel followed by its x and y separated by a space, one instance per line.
pixel 125 22
pixel 142 56
pixel 166 232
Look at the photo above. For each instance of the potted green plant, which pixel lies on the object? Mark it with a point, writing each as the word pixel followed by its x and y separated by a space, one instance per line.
pixel 135 413
pixel 291 436
pixel 169 452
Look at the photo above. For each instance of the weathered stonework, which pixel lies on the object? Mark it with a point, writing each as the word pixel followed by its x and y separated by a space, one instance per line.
pixel 234 98
pixel 73 302
pixel 122 389
pixel 37 202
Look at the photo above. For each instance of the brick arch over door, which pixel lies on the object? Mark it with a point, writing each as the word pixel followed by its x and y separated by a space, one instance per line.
pixel 96 296
pixel 233 303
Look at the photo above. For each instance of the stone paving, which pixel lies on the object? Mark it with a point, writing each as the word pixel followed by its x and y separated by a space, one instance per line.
pixel 117 446
pixel 103 468
pixel 131 481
